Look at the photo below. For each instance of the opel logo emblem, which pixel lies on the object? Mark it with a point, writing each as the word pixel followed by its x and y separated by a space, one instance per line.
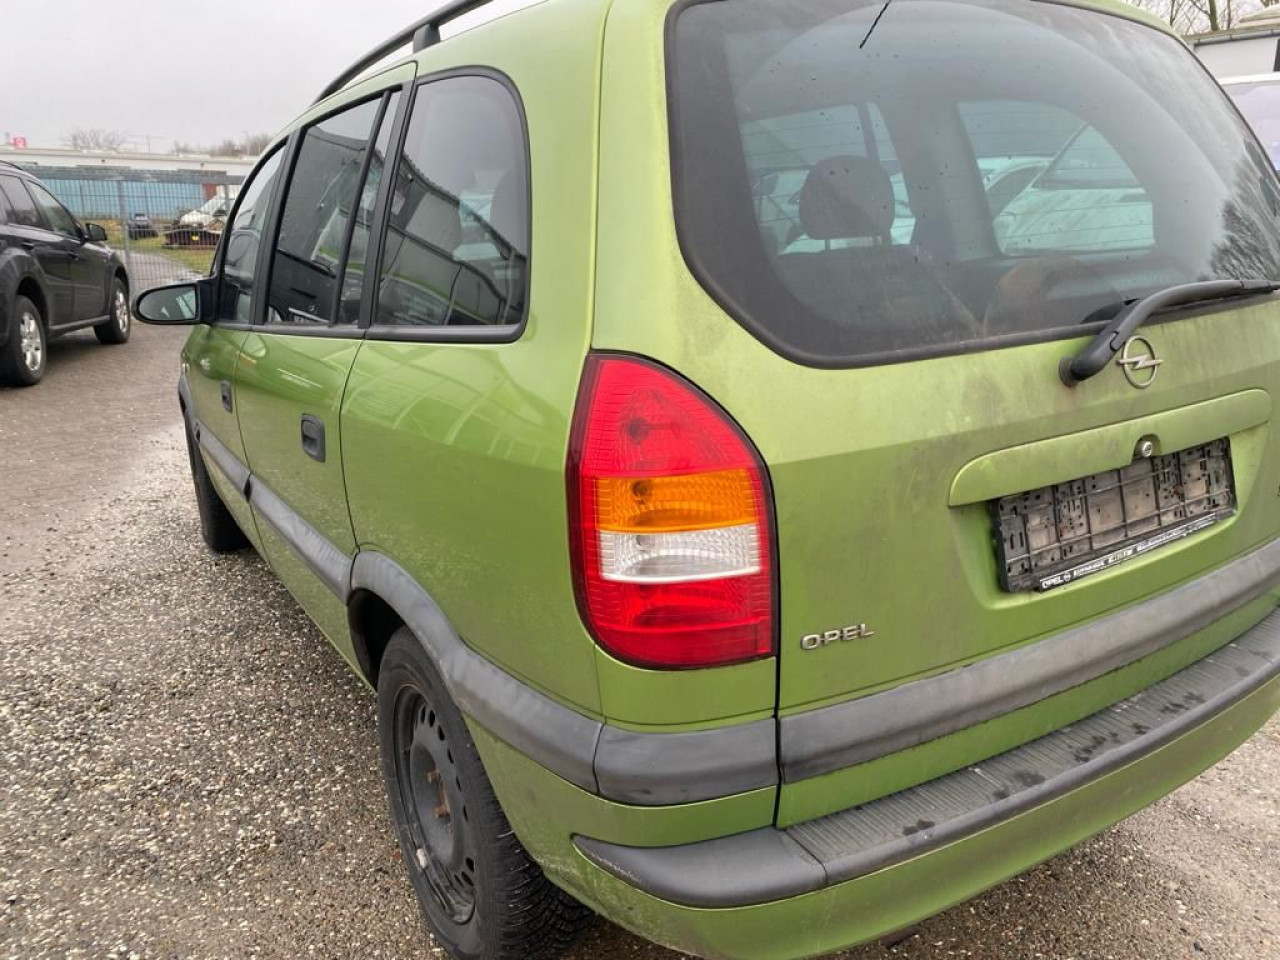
pixel 1139 362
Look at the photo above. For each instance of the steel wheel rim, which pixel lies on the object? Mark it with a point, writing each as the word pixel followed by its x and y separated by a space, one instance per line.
pixel 122 311
pixel 30 342
pixel 443 846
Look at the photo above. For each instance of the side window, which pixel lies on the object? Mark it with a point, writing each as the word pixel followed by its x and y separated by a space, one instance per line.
pixel 1055 184
pixel 23 210
pixel 244 234
pixel 457 245
pixel 319 204
pixel 353 276
pixel 55 214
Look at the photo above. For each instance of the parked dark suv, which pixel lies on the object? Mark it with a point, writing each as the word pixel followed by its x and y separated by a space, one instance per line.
pixel 56 275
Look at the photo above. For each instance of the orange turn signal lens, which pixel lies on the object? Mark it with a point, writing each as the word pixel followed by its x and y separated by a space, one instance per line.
pixel 696 501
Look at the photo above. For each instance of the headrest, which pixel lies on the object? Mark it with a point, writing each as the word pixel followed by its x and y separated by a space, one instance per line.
pixel 847 197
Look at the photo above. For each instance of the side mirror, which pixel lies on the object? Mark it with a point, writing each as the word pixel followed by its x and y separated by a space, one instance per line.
pixel 178 304
pixel 93 233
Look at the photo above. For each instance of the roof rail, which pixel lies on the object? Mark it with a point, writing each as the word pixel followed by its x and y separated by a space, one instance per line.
pixel 424 33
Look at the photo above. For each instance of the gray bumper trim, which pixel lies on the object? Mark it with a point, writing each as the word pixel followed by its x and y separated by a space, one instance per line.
pixel 326 561
pixel 770 864
pixel 227 462
pixel 645 769
pixel 832 738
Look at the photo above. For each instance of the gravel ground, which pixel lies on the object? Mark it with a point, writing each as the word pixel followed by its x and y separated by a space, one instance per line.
pixel 187 771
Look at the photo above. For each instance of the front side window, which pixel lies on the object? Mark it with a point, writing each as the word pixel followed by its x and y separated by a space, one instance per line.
pixel 55 214
pixel 318 207
pixel 243 240
pixel 861 183
pixel 457 245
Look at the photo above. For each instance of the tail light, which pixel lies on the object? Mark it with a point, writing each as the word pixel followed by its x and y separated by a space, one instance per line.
pixel 670 521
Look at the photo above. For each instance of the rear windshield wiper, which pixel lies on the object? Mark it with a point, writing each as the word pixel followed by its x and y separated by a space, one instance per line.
pixel 1111 339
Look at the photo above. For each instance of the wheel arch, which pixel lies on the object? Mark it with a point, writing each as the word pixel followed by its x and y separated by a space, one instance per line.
pixel 373 622
pixel 30 288
pixel 383 596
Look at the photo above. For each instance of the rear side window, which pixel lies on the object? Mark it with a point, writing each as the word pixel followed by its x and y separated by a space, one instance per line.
pixel 55 214
pixel 22 209
pixel 457 244
pixel 859 183
pixel 319 206
pixel 353 275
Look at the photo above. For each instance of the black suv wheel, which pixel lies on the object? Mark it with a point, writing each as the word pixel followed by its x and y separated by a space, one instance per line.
pixel 23 357
pixel 117 327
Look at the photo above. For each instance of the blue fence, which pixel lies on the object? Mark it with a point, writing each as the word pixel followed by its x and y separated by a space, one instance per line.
pixel 98 193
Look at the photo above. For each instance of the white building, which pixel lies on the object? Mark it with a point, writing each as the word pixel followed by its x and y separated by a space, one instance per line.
pixel 1250 48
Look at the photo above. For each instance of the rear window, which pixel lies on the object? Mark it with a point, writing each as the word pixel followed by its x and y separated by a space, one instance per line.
pixel 861 182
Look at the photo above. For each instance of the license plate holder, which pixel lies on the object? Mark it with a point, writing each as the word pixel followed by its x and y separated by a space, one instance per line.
pixel 1059 534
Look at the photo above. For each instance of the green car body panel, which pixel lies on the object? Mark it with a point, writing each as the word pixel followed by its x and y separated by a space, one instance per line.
pixel 448 459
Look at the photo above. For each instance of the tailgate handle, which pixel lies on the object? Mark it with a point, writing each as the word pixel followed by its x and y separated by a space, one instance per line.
pixel 313 437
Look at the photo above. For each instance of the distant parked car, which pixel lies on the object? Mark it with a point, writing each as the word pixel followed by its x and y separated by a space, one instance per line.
pixel 184 235
pixel 213 210
pixel 141 227
pixel 56 275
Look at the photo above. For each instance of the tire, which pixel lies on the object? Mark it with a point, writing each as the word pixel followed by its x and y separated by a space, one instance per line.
pixel 26 353
pixel 481 895
pixel 218 527
pixel 117 327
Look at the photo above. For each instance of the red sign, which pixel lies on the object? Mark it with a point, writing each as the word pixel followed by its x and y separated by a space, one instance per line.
pixel 18 143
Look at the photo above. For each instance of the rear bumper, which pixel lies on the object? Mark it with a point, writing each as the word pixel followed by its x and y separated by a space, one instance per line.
pixel 859 874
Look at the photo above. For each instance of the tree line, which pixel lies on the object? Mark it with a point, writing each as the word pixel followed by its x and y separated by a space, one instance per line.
pixel 96 140
pixel 1203 16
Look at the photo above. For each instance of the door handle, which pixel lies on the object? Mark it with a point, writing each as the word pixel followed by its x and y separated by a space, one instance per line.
pixel 27 244
pixel 313 437
pixel 226 395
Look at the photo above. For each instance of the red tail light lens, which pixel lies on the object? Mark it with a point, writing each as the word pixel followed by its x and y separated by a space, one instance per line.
pixel 670 522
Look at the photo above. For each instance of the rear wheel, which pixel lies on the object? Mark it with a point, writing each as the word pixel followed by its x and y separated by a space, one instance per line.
pixel 117 327
pixel 481 895
pixel 24 355
pixel 218 527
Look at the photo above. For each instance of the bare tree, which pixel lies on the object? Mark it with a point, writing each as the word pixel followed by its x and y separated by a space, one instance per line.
pixel 105 141
pixel 250 145
pixel 1202 16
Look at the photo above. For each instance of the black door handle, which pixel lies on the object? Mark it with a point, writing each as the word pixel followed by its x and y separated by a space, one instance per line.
pixel 27 244
pixel 226 395
pixel 313 437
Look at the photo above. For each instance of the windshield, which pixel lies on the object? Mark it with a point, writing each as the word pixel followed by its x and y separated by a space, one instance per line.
pixel 859 182
pixel 1260 104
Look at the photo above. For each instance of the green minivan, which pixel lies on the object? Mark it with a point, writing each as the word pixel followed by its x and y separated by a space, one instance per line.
pixel 784 467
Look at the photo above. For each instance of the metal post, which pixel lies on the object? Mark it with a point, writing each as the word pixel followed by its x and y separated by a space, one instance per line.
pixel 124 225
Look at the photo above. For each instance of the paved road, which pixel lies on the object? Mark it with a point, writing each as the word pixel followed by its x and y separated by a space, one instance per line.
pixel 186 771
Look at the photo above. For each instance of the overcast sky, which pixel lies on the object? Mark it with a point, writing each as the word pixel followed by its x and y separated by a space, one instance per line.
pixel 199 71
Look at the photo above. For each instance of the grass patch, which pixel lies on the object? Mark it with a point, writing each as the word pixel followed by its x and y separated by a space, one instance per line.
pixel 195 258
